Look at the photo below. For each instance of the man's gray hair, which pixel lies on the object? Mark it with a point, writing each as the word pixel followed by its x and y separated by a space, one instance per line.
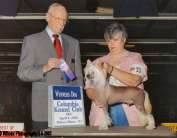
pixel 114 29
pixel 53 5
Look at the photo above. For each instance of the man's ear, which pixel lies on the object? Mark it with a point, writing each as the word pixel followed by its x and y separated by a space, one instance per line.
pixel 47 17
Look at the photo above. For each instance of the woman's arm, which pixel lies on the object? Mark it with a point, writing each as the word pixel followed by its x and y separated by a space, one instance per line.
pixel 125 77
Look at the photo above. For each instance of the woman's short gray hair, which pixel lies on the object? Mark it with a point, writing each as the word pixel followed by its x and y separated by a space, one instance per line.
pixel 114 29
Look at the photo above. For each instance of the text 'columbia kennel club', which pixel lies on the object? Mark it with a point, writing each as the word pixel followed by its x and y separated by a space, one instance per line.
pixel 65 106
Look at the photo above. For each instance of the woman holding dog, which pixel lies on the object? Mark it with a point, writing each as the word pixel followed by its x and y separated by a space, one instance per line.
pixel 125 69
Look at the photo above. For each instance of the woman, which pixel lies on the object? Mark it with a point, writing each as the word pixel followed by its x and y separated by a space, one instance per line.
pixel 126 69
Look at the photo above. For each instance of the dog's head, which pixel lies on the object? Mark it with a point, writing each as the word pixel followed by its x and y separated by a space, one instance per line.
pixel 94 73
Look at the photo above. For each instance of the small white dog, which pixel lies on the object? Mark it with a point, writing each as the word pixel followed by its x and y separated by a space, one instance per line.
pixel 96 75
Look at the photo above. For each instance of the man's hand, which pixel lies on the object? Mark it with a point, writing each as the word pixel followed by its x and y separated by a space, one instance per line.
pixel 52 63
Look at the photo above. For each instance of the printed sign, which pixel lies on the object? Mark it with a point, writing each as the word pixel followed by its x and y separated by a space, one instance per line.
pixel 65 106
pixel 4 126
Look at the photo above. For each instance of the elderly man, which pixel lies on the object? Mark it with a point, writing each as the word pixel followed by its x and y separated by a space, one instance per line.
pixel 41 58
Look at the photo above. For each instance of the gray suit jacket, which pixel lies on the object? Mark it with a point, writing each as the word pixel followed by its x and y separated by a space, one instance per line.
pixel 36 50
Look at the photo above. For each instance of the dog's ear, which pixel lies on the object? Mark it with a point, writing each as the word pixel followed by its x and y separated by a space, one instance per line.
pixel 105 67
pixel 89 62
pixel 102 66
pixel 100 63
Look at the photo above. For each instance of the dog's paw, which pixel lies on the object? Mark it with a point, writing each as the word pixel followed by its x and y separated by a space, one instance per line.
pixel 150 127
pixel 151 122
pixel 108 120
pixel 103 127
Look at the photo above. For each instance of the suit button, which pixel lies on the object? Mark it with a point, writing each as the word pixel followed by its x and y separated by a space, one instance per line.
pixel 61 78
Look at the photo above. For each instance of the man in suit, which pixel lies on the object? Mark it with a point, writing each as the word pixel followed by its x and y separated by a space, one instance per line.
pixel 39 62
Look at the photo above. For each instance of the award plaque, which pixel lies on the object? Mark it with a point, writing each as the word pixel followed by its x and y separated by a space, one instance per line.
pixel 65 106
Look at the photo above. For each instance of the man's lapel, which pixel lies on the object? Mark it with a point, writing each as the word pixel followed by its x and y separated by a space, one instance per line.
pixel 49 45
pixel 65 46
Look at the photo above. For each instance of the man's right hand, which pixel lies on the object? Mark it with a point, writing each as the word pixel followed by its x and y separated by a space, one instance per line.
pixel 52 63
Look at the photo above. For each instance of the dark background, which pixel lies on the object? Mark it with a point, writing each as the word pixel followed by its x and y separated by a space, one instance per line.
pixel 161 57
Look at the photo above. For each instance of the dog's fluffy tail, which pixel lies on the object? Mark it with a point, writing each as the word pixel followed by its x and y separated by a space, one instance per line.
pixel 147 103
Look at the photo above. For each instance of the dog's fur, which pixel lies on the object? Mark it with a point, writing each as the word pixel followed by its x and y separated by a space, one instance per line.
pixel 96 75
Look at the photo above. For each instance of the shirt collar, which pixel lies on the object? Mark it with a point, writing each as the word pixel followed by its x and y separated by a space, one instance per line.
pixel 50 33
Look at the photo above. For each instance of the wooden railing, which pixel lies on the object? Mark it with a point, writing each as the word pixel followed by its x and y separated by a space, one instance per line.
pixel 90 16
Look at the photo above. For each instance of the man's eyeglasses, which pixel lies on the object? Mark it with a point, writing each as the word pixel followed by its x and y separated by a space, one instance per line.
pixel 59 19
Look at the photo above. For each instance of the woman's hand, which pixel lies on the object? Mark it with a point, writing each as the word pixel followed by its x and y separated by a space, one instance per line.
pixel 106 66
pixel 123 76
